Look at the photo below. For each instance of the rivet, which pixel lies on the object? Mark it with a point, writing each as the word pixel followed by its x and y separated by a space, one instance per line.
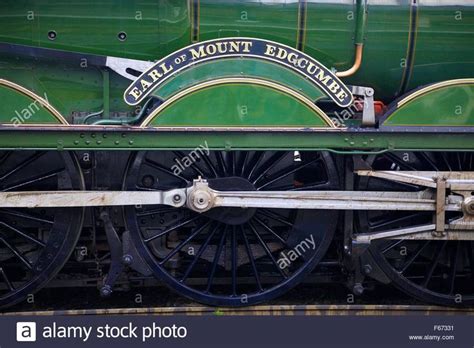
pixel 52 35
pixel 122 36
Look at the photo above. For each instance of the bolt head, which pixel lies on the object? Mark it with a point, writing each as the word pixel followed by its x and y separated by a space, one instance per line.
pixel 127 259
pixel 105 291
pixel 201 200
pixel 468 205
pixel 358 289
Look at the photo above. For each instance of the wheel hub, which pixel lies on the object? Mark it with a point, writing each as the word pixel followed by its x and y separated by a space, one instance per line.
pixel 231 216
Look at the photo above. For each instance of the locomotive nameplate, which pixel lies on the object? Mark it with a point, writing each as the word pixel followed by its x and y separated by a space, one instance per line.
pixel 201 52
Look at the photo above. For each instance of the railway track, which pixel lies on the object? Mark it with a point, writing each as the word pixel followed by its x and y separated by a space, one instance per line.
pixel 327 310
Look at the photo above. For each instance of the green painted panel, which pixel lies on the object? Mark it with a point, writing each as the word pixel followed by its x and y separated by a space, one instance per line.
pixel 449 106
pixel 71 89
pixel 17 108
pixel 444 42
pixel 271 20
pixel 444 46
pixel 329 33
pixel 238 105
pixel 153 28
pixel 239 68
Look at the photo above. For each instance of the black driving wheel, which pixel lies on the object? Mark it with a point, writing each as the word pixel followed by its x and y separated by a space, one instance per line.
pixel 35 243
pixel 231 256
pixel 434 271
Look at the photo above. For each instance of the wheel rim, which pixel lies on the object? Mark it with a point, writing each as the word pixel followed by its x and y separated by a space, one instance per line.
pixel 35 243
pixel 439 272
pixel 231 257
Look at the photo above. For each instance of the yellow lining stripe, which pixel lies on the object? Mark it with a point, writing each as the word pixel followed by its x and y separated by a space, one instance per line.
pixel 36 97
pixel 273 85
pixel 432 88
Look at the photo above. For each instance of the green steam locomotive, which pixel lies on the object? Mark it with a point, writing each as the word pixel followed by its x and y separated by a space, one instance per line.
pixel 234 149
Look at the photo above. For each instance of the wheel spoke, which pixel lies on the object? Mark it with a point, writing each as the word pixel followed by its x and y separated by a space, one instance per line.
pixel 181 155
pixel 5 157
pixel 6 280
pixel 397 221
pixel 26 216
pixel 231 161
pixel 16 253
pixel 217 256
pixel 415 255
pixel 251 259
pixel 23 234
pixel 267 251
pixel 221 163
pixel 392 245
pixel 428 160
pixel 470 257
pixel 454 264
pixel 286 173
pixel 270 164
pixel 243 163
pixel 434 264
pixel 172 228
pixel 159 167
pixel 270 230
pixel 184 242
pixel 234 261
pixel 274 216
pixel 458 157
pixel 199 253
pixel 162 210
pixel 323 185
pixel 22 165
pixel 210 166
pixel 254 162
pixel 34 180
pixel 446 162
